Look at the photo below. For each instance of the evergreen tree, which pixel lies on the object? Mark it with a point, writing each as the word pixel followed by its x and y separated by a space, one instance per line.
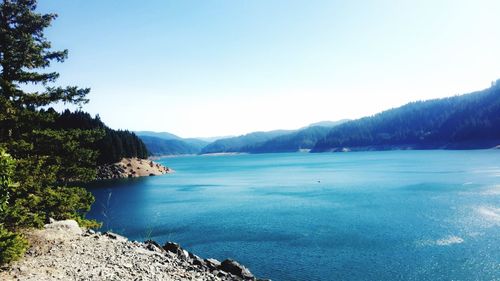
pixel 48 158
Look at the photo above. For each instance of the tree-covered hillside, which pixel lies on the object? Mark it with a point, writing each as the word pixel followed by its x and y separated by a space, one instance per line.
pixel 158 146
pixel 460 122
pixel 163 143
pixel 292 142
pixel 238 144
pixel 160 135
pixel 113 146
pixel 304 138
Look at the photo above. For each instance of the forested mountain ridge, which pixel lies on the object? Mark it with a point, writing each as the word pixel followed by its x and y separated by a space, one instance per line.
pixel 161 135
pixel 295 141
pixel 327 123
pixel 461 122
pixel 163 143
pixel 240 143
pixel 159 147
pixel 113 146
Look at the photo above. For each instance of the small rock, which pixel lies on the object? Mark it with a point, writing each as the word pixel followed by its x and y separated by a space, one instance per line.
pixel 172 247
pixel 70 226
pixel 197 260
pixel 115 236
pixel 212 264
pixel 221 273
pixel 153 246
pixel 235 268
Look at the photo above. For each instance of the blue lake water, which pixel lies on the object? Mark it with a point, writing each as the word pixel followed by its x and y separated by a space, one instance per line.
pixel 394 215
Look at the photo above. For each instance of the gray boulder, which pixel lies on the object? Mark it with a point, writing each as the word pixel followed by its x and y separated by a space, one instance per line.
pixel 70 226
pixel 172 247
pixel 153 246
pixel 115 236
pixel 237 269
pixel 212 264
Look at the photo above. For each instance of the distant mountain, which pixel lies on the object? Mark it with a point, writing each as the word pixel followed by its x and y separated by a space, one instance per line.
pixel 212 139
pixel 161 135
pixel 236 144
pixel 163 143
pixel 460 122
pixel 303 139
pixel 196 143
pixel 328 123
pixel 274 141
pixel 158 146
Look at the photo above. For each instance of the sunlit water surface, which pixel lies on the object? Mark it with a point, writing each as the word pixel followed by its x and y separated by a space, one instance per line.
pixel 396 215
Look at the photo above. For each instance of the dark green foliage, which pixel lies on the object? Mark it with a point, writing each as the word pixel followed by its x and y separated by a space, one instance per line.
pixel 24 49
pixel 77 120
pixel 118 144
pixel 49 155
pixel 159 146
pixel 112 145
pixel 37 197
pixel 72 151
pixel 460 122
pixel 43 189
pixel 12 245
pixel 7 165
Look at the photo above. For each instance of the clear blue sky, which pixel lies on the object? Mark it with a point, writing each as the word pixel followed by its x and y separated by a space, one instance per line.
pixel 207 68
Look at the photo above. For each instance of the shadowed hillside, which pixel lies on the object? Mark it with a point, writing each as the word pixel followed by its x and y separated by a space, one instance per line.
pixel 240 143
pixel 460 122
pixel 303 139
pixel 158 146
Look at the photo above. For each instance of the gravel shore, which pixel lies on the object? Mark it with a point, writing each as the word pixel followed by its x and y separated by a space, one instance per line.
pixel 131 168
pixel 63 251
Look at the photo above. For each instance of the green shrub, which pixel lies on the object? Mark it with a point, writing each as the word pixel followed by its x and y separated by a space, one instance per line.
pixel 86 223
pixel 12 246
pixel 39 197
pixel 7 165
pixel 65 202
pixel 49 156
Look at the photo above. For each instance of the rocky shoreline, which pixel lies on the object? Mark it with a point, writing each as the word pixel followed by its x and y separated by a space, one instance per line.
pixel 131 168
pixel 63 251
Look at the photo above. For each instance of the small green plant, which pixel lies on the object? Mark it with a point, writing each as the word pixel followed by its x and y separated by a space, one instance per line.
pixel 7 165
pixel 86 223
pixel 105 212
pixel 12 246
pixel 148 233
